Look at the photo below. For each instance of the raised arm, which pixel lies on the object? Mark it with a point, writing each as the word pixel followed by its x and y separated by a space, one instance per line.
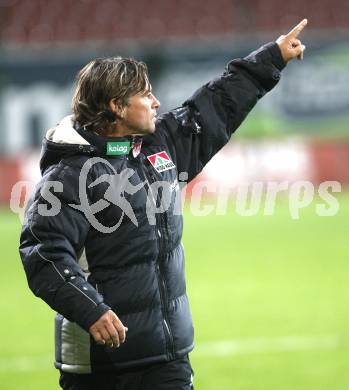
pixel 203 125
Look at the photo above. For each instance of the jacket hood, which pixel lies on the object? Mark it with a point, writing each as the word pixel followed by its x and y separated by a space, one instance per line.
pixel 64 133
pixel 62 141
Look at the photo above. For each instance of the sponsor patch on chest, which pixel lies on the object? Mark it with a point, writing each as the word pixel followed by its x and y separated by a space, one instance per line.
pixel 161 161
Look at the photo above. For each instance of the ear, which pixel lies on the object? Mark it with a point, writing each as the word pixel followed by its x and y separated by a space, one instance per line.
pixel 116 108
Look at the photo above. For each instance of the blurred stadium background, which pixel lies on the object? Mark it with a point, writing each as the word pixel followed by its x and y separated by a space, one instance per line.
pixel 269 294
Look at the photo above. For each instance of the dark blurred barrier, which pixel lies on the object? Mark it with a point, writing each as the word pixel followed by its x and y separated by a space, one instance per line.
pixel 311 100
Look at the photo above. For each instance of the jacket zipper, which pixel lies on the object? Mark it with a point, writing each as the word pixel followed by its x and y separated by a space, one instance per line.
pixel 161 280
pixel 165 314
pixel 163 298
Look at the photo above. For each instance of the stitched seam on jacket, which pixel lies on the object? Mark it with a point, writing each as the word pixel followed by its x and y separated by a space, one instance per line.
pixel 83 294
pixel 42 256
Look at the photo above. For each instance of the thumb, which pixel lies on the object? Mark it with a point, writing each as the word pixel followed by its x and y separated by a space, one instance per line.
pixel 300 51
pixel 297 50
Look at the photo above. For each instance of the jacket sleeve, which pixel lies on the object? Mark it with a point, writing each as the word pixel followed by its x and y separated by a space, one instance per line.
pixel 203 125
pixel 49 248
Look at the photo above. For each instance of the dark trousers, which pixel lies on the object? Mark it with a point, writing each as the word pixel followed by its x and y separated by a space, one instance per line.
pixel 175 375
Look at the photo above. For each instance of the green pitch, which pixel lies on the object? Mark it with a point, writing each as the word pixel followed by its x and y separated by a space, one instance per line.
pixel 269 299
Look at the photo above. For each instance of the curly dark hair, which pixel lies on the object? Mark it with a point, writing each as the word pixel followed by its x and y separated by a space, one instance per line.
pixel 102 80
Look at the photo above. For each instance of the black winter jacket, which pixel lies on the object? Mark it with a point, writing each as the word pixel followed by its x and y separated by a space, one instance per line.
pixel 110 249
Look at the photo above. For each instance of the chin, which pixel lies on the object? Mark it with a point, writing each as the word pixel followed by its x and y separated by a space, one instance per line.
pixel 151 129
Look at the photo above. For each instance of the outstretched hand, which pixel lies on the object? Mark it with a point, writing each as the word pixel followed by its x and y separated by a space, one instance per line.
pixel 291 47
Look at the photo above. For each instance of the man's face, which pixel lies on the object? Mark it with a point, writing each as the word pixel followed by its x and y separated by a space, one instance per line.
pixel 139 115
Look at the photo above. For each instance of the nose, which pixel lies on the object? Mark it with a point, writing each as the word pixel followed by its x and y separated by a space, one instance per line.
pixel 156 103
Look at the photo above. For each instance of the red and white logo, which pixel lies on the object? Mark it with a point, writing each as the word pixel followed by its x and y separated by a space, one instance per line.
pixel 161 161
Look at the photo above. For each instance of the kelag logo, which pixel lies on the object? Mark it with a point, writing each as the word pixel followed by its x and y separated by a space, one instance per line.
pixel 118 148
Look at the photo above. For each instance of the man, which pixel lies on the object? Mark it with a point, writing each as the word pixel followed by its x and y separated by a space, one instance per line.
pixel 103 248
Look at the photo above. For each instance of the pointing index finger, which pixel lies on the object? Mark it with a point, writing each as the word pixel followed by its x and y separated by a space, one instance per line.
pixel 297 29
